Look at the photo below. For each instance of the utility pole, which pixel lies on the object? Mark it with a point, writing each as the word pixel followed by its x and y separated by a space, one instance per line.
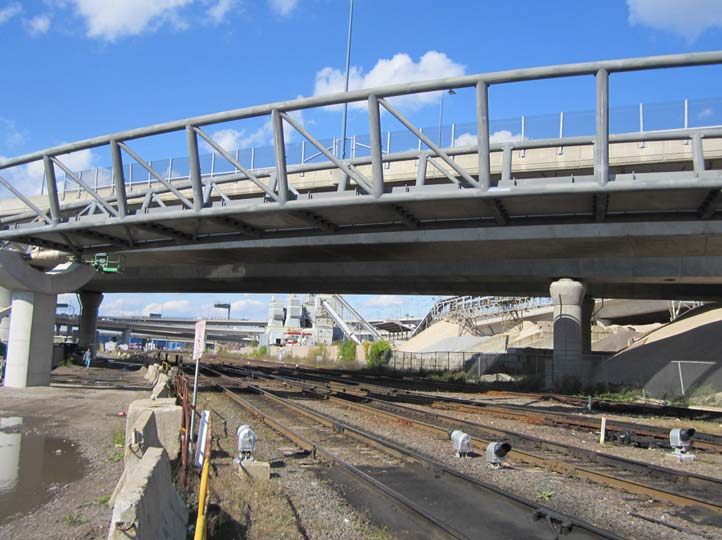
pixel 348 74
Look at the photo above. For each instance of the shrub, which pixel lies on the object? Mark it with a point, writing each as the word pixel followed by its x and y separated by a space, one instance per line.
pixel 347 351
pixel 378 354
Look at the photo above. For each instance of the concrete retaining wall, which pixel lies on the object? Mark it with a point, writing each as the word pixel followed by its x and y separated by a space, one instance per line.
pixel 148 506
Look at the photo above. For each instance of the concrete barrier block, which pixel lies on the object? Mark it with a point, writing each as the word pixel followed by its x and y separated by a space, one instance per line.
pixel 149 507
pixel 146 426
pixel 153 372
pixel 168 421
pixel 258 471
pixel 161 388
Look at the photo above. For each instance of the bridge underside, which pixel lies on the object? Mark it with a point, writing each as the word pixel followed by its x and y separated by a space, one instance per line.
pixel 665 260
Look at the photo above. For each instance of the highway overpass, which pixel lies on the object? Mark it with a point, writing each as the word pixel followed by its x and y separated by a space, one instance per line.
pixel 625 215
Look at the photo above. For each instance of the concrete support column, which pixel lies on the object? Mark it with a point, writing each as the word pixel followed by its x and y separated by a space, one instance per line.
pixel 125 337
pixel 572 332
pixel 6 297
pixel 30 347
pixel 88 324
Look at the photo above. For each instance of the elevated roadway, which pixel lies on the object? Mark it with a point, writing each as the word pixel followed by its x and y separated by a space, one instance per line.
pixel 607 215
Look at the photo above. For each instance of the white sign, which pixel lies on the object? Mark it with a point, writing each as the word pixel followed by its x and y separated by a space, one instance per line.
pixel 199 342
pixel 202 436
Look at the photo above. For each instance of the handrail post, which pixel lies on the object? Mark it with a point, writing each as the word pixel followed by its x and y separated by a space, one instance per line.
pixel 377 171
pixel 601 144
pixel 279 149
pixel 195 168
pixel 52 189
pixel 118 178
pixel 482 132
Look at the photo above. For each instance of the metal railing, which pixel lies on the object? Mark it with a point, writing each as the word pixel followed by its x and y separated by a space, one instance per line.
pixel 681 114
pixel 193 194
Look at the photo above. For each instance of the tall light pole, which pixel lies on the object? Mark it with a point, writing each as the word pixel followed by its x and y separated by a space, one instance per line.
pixel 441 112
pixel 348 74
pixel 224 306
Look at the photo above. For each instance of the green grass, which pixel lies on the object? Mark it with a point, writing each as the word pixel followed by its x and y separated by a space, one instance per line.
pixel 119 439
pixel 626 394
pixel 103 500
pixel 117 456
pixel 74 519
pixel 545 495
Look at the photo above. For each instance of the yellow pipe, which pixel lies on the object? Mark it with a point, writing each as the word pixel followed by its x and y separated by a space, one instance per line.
pixel 200 532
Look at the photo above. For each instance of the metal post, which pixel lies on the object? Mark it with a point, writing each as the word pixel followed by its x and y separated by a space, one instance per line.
pixel 195 169
pixel 253 157
pixel 303 156
pixel 697 153
pixel 377 170
pixel 421 169
pixel 52 189
pixel 506 163
pixel 482 132
pixel 388 148
pixel 118 179
pixel 213 164
pixel 601 144
pixel 279 149
pixel 560 150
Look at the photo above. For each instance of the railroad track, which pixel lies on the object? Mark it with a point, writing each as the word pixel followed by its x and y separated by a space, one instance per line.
pixel 621 432
pixel 449 503
pixel 418 383
pixel 665 484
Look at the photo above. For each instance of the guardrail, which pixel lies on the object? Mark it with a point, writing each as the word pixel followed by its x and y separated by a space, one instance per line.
pixel 192 196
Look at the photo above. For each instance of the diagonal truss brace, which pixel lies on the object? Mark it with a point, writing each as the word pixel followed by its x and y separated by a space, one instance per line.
pixel 42 215
pixel 186 202
pixel 360 179
pixel 434 148
pixel 110 209
pixel 220 150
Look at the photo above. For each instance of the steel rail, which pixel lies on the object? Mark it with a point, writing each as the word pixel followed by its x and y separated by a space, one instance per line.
pixel 703 441
pixel 552 464
pixel 408 454
pixel 468 81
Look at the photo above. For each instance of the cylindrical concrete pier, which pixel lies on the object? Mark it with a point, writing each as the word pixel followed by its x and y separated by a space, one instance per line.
pixel 30 349
pixel 88 324
pixel 572 332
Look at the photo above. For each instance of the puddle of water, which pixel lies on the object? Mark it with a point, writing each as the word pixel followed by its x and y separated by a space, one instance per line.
pixel 32 468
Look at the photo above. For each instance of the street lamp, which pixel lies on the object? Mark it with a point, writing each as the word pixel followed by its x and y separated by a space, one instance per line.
pixel 348 74
pixel 452 92
pixel 226 307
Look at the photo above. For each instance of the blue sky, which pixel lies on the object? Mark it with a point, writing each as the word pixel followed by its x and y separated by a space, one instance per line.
pixel 78 68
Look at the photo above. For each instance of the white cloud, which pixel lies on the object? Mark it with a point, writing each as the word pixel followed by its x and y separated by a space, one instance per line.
pixel 501 136
pixel 685 18
pixel 283 7
pixel 385 300
pixel 10 135
pixel 231 139
pixel 248 308
pixel 217 12
pixel 705 113
pixel 111 20
pixel 29 178
pixel 38 25
pixel 170 308
pixel 400 68
pixel 10 11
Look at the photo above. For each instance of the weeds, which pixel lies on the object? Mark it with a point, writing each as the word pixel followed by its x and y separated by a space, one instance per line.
pixel 117 456
pixel 74 519
pixel 103 500
pixel 545 495
pixel 119 439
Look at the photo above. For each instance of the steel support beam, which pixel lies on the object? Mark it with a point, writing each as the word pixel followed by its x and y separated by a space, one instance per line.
pixel 42 215
pixel 482 133
pixel 279 148
pixel 52 185
pixel 195 168
pixel 377 169
pixel 601 143
pixel 118 178
pixel 107 206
